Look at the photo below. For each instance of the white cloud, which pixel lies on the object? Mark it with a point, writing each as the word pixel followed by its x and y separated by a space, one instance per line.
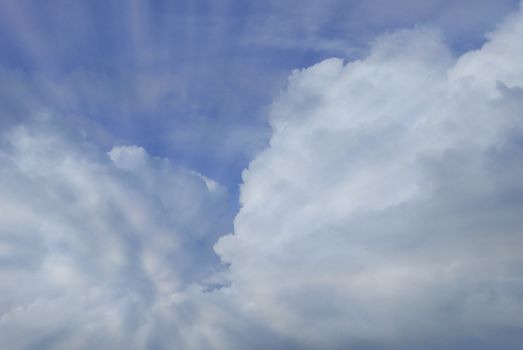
pixel 387 209
pixel 92 244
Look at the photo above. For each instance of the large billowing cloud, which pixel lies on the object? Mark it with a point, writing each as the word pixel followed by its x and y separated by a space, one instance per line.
pixel 386 213
pixel 387 210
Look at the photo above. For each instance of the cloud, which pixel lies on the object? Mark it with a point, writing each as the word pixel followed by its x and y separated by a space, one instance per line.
pixel 386 211
pixel 385 214
pixel 92 243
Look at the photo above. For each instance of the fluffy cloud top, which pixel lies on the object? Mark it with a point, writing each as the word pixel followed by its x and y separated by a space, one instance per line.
pixel 386 213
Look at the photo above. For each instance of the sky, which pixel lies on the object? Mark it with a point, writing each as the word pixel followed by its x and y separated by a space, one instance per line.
pixel 261 175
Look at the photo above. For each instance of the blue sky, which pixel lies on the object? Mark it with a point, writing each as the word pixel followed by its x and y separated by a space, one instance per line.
pixel 194 80
pixel 261 174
